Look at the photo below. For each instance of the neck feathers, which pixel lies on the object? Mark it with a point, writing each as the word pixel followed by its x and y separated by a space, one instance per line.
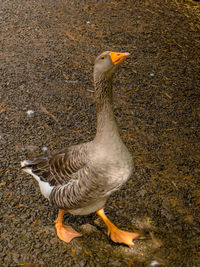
pixel 103 91
pixel 106 124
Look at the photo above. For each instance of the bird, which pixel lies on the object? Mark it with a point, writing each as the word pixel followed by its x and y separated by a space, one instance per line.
pixel 80 178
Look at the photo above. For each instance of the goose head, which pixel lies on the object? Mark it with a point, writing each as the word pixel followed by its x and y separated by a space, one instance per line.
pixel 107 63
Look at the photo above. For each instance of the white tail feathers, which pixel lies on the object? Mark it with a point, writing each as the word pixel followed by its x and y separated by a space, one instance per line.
pixel 25 163
pixel 45 187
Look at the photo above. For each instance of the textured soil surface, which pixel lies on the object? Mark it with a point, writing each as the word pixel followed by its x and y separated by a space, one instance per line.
pixel 46 58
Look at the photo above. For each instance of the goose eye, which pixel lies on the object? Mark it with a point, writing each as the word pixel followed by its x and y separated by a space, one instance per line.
pixel 103 57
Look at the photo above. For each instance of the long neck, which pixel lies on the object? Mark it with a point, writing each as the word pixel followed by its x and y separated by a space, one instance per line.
pixel 106 125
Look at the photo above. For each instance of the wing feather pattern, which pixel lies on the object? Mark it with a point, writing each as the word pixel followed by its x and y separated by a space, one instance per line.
pixel 58 168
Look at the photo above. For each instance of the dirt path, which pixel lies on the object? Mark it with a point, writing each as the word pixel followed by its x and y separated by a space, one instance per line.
pixel 46 58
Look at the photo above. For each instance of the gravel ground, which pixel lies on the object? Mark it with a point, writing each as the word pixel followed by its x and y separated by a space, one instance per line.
pixel 47 53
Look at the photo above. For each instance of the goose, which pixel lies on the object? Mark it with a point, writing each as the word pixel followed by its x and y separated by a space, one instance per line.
pixel 79 179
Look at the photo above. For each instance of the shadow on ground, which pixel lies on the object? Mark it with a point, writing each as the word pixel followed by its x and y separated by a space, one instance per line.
pixel 47 54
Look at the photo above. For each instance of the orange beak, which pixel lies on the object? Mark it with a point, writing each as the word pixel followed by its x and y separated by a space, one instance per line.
pixel 118 57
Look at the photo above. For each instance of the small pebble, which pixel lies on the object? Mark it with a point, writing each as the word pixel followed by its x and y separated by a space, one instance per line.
pixel 45 148
pixel 155 263
pixel 88 22
pixel 29 112
pixel 152 74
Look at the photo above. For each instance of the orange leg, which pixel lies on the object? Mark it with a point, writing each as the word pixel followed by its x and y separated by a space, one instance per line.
pixel 64 232
pixel 117 235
